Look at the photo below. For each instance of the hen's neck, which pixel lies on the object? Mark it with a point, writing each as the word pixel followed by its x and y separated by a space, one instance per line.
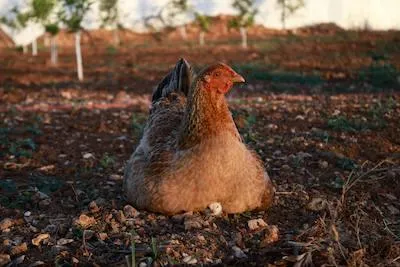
pixel 206 115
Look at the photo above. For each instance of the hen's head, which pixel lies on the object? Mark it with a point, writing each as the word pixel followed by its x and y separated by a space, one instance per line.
pixel 219 78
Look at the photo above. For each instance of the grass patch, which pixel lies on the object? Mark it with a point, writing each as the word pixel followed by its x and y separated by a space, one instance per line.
pixel 265 73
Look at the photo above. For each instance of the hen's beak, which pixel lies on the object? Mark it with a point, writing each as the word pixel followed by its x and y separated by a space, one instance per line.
pixel 238 78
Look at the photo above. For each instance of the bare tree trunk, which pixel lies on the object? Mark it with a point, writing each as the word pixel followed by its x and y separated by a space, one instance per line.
pixel 201 38
pixel 53 50
pixel 47 40
pixel 243 33
pixel 117 40
pixel 25 49
pixel 283 16
pixel 182 31
pixel 34 47
pixel 78 55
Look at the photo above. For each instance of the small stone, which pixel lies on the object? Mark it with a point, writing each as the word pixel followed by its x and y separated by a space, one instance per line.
pixel 27 213
pixel 43 204
pixel 85 221
pixel 216 208
pixel 6 223
pixel 201 238
pixel 194 223
pixel 51 228
pixel 286 168
pixel 93 207
pixel 130 211
pixel 103 236
pixel 323 164
pixel 18 261
pixel 88 155
pixel 88 234
pixel 299 118
pixel 75 260
pixel 120 216
pixel 189 260
pixel 116 177
pixel 271 236
pixel 19 249
pixel 317 204
pixel 256 224
pixel 64 241
pixel 143 264
pixel 4 259
pixel 238 253
pixel 39 239
pixel 55 250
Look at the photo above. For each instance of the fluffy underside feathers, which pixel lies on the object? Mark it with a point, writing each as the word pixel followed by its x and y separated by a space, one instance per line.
pixel 191 154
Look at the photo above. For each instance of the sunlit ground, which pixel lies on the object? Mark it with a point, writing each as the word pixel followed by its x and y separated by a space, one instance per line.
pixel 321 111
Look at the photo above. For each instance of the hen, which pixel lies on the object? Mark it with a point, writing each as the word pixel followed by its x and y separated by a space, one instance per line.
pixel 191 154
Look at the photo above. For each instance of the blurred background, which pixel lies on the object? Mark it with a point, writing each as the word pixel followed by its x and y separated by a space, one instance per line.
pixel 321 106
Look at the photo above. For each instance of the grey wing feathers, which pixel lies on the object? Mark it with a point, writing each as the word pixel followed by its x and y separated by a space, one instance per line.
pixel 178 80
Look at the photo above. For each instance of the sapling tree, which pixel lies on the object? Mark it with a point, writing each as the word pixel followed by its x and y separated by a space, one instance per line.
pixel 203 21
pixel 72 14
pixel 110 15
pixel 244 19
pixel 43 12
pixel 288 8
pixel 17 21
pixel 177 8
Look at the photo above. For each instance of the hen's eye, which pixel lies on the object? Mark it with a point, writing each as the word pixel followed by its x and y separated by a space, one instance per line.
pixel 217 74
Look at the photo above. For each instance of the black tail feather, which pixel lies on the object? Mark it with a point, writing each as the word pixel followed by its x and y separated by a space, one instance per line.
pixel 178 80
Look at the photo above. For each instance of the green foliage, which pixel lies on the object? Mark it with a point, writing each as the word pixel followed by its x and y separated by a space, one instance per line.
pixel 52 29
pixel 109 12
pixel 246 14
pixel 42 10
pixel 17 19
pixel 288 8
pixel 342 123
pixel 73 12
pixel 380 73
pixel 107 161
pixel 203 21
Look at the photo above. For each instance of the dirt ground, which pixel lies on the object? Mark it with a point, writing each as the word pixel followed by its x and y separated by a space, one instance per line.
pixel 322 111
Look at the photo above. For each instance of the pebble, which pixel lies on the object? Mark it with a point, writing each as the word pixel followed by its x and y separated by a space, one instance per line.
pixel 116 177
pixel 19 249
pixel 64 241
pixel 271 236
pixel 27 213
pixel 51 228
pixel 4 259
pixel 103 236
pixel 216 208
pixel 44 203
pixel 323 164
pixel 93 207
pixel 6 223
pixel 88 155
pixel 238 253
pixel 256 224
pixel 317 204
pixel 39 239
pixel 190 260
pixel 85 221
pixel 286 168
pixel 130 211
pixel 194 223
